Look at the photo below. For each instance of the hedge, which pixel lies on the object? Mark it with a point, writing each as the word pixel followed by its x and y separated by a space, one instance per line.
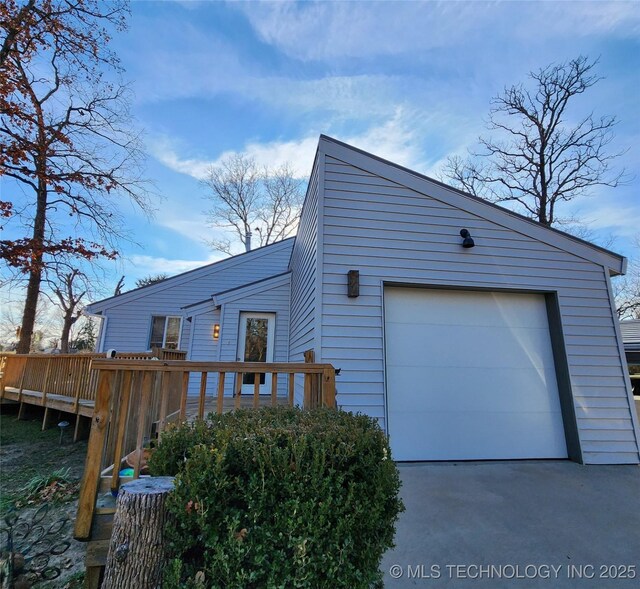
pixel 278 498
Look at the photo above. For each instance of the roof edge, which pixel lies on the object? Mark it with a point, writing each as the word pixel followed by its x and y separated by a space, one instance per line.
pixel 164 283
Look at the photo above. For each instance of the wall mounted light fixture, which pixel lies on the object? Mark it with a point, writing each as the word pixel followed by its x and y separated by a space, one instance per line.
pixel 216 331
pixel 467 240
pixel 353 284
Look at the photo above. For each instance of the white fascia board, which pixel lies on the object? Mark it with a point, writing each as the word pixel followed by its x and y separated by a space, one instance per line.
pixel 615 263
pixel 199 308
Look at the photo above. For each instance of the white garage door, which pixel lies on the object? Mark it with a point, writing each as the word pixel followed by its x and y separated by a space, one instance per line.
pixel 470 376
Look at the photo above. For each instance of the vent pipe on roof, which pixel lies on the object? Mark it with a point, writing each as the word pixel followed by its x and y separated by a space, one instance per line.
pixel 247 241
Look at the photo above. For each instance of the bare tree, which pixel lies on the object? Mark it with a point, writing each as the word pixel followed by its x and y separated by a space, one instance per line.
pixel 119 286
pixel 68 286
pixel 65 137
pixel 538 159
pixel 247 200
pixel 626 289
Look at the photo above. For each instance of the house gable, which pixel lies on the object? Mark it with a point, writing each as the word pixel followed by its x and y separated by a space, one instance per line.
pixel 129 314
pixel 436 190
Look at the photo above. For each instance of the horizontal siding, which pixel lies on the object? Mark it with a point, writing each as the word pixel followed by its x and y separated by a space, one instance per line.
pixel 204 349
pixel 391 233
pixel 304 261
pixel 129 322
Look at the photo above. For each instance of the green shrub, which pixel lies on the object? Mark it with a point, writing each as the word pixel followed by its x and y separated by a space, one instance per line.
pixel 278 498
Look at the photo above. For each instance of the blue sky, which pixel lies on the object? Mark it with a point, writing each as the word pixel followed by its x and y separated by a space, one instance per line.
pixel 408 81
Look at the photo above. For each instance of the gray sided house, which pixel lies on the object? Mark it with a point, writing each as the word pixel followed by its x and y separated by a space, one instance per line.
pixel 509 349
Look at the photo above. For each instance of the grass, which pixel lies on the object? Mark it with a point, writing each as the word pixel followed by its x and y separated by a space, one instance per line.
pixel 41 481
pixel 32 461
pixel 36 469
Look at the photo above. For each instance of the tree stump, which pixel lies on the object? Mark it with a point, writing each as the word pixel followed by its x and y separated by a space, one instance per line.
pixel 136 550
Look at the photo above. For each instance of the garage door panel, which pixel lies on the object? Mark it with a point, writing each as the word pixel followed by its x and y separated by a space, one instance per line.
pixel 452 308
pixel 474 389
pixel 470 375
pixel 475 346
pixel 447 439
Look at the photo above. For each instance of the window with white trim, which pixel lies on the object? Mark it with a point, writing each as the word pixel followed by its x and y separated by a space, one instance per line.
pixel 165 332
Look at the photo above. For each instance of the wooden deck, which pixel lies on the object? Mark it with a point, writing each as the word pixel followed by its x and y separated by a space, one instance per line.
pixel 129 402
pixel 61 382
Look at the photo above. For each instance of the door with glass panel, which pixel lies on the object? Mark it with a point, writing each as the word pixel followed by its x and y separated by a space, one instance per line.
pixel 255 344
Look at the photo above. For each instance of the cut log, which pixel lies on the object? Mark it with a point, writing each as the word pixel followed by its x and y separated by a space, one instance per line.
pixel 136 550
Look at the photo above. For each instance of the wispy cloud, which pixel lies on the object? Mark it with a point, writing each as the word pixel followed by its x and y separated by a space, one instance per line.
pixel 298 153
pixel 618 218
pixel 162 149
pixel 148 265
pixel 399 138
pixel 354 29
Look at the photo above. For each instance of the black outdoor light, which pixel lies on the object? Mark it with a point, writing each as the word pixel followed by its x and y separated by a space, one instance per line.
pixel 467 240
pixel 353 284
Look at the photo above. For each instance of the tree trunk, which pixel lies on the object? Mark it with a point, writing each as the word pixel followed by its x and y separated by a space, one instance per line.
pixel 68 322
pixel 136 551
pixel 35 272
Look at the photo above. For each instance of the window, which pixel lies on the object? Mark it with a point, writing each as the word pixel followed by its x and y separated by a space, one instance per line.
pixel 165 332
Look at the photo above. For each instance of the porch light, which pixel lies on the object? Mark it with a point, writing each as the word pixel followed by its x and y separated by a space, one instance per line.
pixel 467 240
pixel 353 284
pixel 216 331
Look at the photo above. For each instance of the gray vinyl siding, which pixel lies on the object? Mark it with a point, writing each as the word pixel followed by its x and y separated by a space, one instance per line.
pixel 304 275
pixel 204 348
pixel 130 314
pixel 395 234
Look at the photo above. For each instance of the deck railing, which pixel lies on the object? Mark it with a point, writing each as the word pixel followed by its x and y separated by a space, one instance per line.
pixel 65 375
pixel 137 400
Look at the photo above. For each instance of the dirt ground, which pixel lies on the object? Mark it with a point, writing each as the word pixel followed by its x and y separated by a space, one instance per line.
pixel 37 470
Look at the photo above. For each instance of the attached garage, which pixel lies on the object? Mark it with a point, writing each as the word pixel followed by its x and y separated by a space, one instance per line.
pixel 470 375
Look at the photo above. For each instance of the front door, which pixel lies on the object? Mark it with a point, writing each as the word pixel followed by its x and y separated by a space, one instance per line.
pixel 255 344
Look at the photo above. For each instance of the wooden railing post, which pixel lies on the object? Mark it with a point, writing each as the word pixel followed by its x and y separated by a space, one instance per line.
pixel 256 390
pixel 183 398
pixel 274 389
pixel 220 400
pixel 147 385
pixel 164 401
pixel 238 393
pixel 309 381
pixel 121 426
pixel 93 463
pixel 3 367
pixel 46 382
pixel 329 388
pixel 292 385
pixel 203 394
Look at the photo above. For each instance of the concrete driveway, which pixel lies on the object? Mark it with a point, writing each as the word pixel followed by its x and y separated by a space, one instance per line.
pixel 549 524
